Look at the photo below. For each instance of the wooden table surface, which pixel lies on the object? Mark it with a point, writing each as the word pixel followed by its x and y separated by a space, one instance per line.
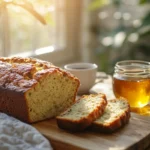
pixel 134 136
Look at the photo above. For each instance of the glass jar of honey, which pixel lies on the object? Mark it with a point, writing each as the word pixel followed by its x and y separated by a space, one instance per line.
pixel 131 80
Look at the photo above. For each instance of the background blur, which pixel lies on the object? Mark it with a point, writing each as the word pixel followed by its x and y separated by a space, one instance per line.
pixel 65 31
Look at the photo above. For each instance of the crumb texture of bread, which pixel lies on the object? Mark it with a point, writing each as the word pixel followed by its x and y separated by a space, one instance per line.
pixel 82 113
pixel 33 90
pixel 116 115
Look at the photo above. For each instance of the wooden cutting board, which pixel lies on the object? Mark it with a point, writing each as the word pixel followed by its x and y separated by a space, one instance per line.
pixel 134 136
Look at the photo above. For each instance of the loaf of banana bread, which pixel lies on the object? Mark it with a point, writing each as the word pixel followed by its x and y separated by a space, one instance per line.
pixel 33 90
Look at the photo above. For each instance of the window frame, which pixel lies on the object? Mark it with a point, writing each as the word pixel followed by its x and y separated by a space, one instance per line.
pixel 71 51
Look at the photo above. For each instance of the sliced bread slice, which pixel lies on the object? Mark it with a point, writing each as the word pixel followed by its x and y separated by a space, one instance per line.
pixel 82 113
pixel 116 115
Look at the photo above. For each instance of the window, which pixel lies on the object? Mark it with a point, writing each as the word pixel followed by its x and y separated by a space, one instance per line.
pixel 23 35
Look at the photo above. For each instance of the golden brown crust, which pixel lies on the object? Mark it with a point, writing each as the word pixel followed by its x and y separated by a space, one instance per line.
pixel 14 103
pixel 20 60
pixel 119 122
pixel 84 122
pixel 17 76
pixel 25 72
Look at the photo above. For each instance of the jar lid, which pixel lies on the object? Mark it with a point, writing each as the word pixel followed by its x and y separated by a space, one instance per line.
pixel 133 68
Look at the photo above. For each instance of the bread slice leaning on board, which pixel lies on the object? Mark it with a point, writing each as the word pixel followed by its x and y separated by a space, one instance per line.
pixel 115 116
pixel 82 113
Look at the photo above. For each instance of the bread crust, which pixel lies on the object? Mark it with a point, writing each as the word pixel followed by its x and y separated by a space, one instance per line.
pixel 84 122
pixel 14 103
pixel 17 77
pixel 119 122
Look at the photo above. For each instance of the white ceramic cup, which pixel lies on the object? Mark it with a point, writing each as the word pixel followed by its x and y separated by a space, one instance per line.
pixel 85 72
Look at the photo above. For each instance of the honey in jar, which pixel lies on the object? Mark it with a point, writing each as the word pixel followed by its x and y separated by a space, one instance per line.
pixel 131 80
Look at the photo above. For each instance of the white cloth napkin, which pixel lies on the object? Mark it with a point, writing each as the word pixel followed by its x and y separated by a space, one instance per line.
pixel 16 135
pixel 105 86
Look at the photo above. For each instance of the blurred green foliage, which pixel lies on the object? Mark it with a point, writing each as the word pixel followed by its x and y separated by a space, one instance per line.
pixel 109 54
